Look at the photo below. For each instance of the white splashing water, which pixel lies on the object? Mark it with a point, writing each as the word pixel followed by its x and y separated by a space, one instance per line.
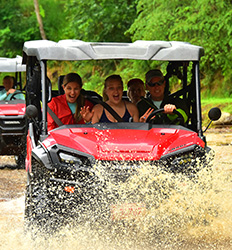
pixel 181 214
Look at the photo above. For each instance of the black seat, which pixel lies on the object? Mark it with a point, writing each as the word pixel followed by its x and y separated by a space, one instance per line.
pixel 124 96
pixel 91 95
pixel 60 82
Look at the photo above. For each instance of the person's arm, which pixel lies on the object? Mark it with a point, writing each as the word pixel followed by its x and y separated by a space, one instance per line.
pixel 180 105
pixel 172 117
pixel 3 96
pixel 134 112
pixel 19 95
pixel 185 116
pixel 97 113
pixel 169 108
pixel 86 114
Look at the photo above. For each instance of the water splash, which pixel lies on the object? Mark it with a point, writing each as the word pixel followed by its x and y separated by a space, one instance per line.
pixel 181 213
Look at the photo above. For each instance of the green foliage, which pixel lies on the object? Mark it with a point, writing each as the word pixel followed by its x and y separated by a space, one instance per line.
pixel 216 101
pixel 203 22
pixel 54 19
pixel 101 20
pixel 18 23
pixel 225 104
pixel 16 27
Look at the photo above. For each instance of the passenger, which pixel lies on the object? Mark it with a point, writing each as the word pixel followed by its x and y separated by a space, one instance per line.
pixel 8 91
pixel 135 89
pixel 155 84
pixel 112 95
pixel 67 106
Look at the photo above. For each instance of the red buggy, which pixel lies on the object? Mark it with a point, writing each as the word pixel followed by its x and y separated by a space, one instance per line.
pixel 63 165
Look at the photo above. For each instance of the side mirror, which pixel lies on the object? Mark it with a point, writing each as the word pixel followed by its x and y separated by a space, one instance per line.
pixel 214 114
pixel 31 111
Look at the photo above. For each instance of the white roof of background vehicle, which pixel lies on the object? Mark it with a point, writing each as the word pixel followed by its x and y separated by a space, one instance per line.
pixel 141 50
pixel 12 64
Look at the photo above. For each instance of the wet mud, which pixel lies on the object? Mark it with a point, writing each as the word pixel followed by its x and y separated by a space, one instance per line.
pixel 196 215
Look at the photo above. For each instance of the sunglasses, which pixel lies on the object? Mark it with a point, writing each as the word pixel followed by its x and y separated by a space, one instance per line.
pixel 153 84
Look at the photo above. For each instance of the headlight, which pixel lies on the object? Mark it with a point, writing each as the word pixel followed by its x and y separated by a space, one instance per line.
pixel 70 159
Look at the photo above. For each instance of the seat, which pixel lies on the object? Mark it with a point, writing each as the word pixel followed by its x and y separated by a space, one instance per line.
pixel 91 95
pixel 60 82
pixel 124 96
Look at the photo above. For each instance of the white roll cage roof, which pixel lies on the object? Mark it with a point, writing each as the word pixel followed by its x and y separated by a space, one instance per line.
pixel 75 50
pixel 12 64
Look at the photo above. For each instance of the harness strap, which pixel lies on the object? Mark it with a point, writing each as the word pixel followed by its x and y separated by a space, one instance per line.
pixel 108 108
pixel 54 117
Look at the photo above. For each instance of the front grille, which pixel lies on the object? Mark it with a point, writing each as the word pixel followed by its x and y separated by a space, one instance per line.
pixel 12 124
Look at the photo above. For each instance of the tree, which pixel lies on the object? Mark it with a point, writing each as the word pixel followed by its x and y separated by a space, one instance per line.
pixel 17 25
pixel 101 20
pixel 39 19
pixel 205 23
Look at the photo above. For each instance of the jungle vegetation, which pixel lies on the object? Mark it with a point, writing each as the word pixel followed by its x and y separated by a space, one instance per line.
pixel 207 23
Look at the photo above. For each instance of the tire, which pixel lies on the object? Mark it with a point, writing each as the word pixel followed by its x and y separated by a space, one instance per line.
pixel 48 208
pixel 20 161
pixel 40 211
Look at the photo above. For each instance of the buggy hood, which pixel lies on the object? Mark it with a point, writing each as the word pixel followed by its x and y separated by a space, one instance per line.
pixel 125 144
pixel 12 108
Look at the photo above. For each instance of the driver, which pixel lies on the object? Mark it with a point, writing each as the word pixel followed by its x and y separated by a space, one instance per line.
pixel 9 92
pixel 155 84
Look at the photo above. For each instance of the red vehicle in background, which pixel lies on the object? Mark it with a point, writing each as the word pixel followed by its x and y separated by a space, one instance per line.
pixel 12 112
pixel 71 167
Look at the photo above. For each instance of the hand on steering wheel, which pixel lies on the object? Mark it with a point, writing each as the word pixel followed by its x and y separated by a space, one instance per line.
pixel 179 117
pixel 14 94
pixel 169 108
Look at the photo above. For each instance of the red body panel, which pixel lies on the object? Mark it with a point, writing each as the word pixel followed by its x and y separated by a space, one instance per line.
pixel 8 109
pixel 28 157
pixel 124 144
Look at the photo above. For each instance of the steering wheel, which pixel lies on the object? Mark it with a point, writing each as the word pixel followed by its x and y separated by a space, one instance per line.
pixel 14 94
pixel 179 117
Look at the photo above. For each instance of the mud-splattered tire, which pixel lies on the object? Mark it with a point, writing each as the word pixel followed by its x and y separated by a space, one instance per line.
pixel 20 161
pixel 40 214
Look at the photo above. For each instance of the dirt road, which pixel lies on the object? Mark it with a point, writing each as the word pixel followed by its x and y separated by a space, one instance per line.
pixel 12 180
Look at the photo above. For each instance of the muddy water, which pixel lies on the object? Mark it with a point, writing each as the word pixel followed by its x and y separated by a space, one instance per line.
pixel 195 215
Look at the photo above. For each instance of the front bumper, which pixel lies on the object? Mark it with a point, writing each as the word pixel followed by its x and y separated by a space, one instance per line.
pixel 12 135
